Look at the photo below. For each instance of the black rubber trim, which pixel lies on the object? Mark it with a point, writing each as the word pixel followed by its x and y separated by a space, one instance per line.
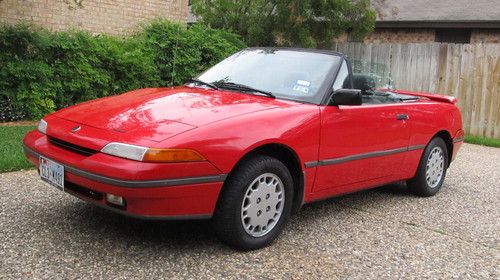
pixel 137 184
pixel 310 164
pixel 362 156
pixel 417 147
pixel 71 147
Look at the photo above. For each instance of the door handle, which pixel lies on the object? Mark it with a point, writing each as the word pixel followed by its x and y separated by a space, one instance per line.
pixel 402 117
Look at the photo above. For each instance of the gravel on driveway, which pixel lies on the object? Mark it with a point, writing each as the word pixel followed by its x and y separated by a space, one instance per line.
pixel 381 233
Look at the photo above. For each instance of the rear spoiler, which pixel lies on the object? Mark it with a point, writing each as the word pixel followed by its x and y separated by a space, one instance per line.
pixel 431 96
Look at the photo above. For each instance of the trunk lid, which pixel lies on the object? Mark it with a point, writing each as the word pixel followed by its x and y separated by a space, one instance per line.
pixel 431 96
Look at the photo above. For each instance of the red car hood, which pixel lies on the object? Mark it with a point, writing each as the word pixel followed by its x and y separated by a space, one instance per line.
pixel 160 113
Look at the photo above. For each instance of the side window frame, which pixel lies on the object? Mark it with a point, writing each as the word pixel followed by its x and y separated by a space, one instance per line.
pixel 341 72
pixel 349 69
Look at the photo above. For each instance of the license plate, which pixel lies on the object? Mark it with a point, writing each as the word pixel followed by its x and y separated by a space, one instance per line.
pixel 52 172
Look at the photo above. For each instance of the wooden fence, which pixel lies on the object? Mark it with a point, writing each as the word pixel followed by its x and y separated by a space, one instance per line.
pixel 469 72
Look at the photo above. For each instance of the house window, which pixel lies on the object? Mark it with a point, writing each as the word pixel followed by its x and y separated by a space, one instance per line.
pixel 460 36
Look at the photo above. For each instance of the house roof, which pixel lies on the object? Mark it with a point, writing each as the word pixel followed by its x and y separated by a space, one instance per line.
pixel 434 13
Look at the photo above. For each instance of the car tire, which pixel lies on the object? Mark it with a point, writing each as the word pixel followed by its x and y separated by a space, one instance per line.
pixel 254 204
pixel 431 170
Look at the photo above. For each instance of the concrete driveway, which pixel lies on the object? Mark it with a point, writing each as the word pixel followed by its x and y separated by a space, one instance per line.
pixel 382 233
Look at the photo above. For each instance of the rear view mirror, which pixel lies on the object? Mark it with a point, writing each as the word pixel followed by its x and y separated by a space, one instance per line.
pixel 346 97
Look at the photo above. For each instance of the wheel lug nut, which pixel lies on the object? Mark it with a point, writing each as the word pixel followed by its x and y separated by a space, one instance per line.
pixel 259 213
pixel 258 200
pixel 267 196
pixel 268 208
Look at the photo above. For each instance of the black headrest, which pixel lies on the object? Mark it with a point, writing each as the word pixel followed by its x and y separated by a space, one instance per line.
pixel 363 82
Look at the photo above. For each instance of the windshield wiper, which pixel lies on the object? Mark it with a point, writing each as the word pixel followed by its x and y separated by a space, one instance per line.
pixel 241 87
pixel 198 81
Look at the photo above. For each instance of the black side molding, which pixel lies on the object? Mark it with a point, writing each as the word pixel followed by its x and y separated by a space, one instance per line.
pixel 362 156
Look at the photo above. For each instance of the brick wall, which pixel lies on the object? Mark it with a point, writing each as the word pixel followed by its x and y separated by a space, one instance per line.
pixel 401 36
pixel 485 36
pixel 97 16
pixel 404 36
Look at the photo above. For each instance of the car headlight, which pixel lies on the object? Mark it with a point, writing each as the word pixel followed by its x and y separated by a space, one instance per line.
pixel 125 151
pixel 151 154
pixel 42 126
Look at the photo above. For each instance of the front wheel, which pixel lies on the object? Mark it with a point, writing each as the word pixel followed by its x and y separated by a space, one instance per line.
pixel 255 203
pixel 431 170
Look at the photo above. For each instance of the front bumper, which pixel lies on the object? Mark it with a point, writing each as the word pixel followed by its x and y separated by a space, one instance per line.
pixel 146 194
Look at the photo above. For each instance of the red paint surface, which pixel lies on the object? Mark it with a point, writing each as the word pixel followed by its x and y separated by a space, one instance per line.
pixel 224 126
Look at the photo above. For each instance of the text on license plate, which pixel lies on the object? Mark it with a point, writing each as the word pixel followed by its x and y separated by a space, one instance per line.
pixel 52 172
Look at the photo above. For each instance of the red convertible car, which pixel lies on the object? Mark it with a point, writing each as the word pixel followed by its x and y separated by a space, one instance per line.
pixel 247 143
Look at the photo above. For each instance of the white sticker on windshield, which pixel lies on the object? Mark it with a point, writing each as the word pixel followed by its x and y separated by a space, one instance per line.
pixel 302 86
pixel 303 83
pixel 301 89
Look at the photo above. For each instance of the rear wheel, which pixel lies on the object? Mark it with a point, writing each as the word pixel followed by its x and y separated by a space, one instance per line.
pixel 255 203
pixel 431 170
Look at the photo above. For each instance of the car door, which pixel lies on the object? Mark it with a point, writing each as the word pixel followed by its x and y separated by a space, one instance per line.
pixel 360 144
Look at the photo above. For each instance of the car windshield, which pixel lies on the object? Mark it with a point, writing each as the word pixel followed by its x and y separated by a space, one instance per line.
pixel 287 74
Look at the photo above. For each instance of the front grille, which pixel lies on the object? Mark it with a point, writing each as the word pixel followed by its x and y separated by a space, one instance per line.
pixel 72 147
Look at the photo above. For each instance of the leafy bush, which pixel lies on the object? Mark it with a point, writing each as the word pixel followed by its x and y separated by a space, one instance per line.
pixel 182 53
pixel 26 85
pixel 87 67
pixel 304 23
pixel 41 71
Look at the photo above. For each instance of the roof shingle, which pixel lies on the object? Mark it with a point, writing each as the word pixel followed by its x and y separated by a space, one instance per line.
pixel 437 10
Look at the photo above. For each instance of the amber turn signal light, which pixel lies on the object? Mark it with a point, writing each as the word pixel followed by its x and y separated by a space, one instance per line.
pixel 172 155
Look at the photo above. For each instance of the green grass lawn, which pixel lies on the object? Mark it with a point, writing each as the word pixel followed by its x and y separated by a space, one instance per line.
pixel 479 140
pixel 11 148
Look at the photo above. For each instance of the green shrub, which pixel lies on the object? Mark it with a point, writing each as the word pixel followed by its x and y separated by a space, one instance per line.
pixel 88 67
pixel 41 71
pixel 26 79
pixel 182 53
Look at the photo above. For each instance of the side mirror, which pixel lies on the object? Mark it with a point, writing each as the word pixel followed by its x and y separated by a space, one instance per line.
pixel 345 96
